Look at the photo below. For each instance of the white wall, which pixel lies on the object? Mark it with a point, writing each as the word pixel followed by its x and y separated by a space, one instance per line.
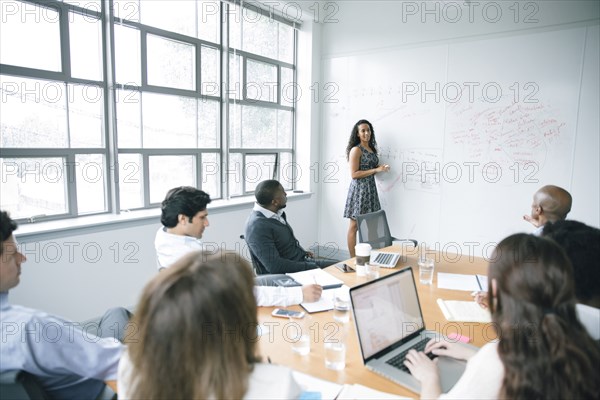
pixel 364 25
pixel 587 143
pixel 373 34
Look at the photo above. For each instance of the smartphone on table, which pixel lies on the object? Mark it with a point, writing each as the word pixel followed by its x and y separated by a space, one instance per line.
pixel 344 267
pixel 280 312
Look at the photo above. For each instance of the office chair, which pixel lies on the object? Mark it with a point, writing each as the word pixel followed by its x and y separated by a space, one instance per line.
pixel 261 275
pixel 259 269
pixel 373 228
pixel 18 384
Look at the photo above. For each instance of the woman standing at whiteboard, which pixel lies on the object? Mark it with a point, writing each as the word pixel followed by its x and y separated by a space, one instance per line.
pixel 361 153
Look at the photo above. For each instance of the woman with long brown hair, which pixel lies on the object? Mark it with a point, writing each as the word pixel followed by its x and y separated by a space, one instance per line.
pixel 543 351
pixel 196 336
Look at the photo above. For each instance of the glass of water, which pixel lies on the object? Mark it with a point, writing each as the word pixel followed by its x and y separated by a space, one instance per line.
pixel 335 345
pixel 426 267
pixel 341 307
pixel 335 355
pixel 372 271
pixel 300 335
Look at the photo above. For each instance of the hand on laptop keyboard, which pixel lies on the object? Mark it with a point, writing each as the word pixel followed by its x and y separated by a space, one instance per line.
pixel 421 366
pixel 398 360
pixel 450 349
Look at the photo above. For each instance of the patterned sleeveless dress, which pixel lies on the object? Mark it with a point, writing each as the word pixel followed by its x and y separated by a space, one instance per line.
pixel 362 193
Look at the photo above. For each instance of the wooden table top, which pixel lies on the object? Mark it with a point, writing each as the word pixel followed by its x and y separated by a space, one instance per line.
pixel 276 345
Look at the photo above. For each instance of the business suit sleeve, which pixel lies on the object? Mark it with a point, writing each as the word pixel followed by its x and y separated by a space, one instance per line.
pixel 261 240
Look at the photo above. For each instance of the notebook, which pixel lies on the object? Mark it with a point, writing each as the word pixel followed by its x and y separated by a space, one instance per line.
pixel 318 276
pixel 385 259
pixel 467 311
pixel 389 322
pixel 291 279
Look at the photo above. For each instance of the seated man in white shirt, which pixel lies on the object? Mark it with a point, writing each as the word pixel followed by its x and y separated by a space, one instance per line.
pixel 67 361
pixel 184 217
pixel 550 204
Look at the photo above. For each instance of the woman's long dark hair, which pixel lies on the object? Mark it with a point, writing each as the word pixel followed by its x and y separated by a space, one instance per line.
pixel 545 350
pixel 354 139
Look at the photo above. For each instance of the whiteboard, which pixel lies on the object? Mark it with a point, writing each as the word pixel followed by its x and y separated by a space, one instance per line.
pixel 471 129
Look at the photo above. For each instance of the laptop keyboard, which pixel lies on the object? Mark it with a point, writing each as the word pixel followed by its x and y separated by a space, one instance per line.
pixel 386 259
pixel 398 360
pixel 383 258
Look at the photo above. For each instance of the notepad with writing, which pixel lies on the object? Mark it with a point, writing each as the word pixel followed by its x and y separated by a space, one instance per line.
pixel 465 311
pixel 325 303
pixel 318 276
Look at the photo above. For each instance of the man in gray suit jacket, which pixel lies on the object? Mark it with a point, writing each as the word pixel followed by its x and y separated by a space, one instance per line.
pixel 274 248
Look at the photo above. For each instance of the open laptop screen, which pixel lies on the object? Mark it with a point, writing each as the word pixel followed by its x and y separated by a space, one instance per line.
pixel 386 310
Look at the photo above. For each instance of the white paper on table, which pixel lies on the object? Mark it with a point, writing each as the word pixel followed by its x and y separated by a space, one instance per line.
pixel 471 283
pixel 356 391
pixel 465 311
pixel 308 383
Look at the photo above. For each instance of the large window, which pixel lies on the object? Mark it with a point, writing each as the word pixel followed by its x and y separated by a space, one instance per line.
pixel 107 105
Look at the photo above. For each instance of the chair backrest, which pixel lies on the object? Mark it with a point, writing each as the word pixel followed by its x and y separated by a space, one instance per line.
pixel 17 384
pixel 259 269
pixel 373 229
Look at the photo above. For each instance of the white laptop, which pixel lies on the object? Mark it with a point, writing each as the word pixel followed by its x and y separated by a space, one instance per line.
pixel 385 259
pixel 389 322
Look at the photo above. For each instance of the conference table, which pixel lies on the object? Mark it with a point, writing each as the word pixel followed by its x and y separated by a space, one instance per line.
pixel 276 346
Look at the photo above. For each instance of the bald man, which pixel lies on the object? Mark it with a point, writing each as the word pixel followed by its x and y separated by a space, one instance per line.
pixel 550 204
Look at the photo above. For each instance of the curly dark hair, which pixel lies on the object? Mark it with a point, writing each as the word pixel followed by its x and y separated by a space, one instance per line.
pixel 582 245
pixel 186 200
pixel 7 227
pixel 545 350
pixel 355 140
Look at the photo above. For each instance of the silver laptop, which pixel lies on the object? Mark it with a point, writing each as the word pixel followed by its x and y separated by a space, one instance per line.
pixel 386 259
pixel 389 322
